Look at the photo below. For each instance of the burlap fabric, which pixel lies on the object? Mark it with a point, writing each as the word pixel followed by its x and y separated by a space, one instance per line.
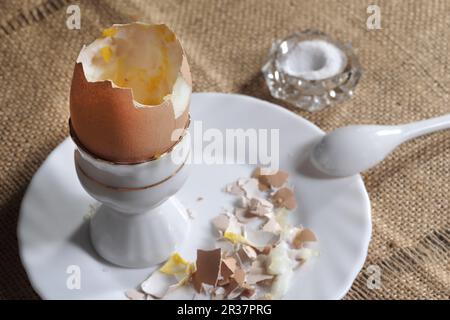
pixel 406 78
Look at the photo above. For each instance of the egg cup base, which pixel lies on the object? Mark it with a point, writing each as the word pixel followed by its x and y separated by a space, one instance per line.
pixel 139 240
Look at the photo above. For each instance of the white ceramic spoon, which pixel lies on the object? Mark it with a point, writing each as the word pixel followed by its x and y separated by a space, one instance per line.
pixel 349 150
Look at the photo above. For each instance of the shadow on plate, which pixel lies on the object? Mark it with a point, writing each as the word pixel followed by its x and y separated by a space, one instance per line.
pixel 81 238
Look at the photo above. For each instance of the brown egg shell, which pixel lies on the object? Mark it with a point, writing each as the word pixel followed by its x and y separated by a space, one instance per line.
pixel 109 125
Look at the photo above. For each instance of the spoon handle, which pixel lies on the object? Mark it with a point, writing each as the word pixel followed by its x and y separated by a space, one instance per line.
pixel 420 128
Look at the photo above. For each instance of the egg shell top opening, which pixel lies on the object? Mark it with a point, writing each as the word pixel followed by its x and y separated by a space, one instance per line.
pixel 126 103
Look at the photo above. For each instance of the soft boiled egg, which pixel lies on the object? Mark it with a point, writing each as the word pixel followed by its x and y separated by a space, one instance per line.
pixel 130 93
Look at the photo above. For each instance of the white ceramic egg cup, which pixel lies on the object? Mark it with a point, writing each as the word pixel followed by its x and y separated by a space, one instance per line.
pixel 139 223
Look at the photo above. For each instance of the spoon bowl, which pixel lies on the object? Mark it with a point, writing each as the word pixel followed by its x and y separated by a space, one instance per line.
pixel 350 150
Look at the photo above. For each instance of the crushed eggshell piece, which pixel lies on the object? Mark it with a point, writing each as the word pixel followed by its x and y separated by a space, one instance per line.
pixel 242 216
pixel 230 264
pixel 239 276
pixel 247 253
pixel 272 226
pixel 221 222
pixel 284 197
pixel 253 278
pixel 266 296
pixel 218 293
pixel 235 287
pixel 275 180
pixel 227 269
pixel 234 226
pixel 259 265
pixel 234 231
pixel 248 292
pixel 243 187
pixel 158 284
pixel 230 287
pixel 249 186
pixel 235 189
pixel 259 239
pixel 134 294
pixel 303 236
pixel 207 268
pixel 260 207
pixel 225 245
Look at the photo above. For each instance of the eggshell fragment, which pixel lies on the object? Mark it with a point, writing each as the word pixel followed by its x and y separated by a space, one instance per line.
pixel 260 206
pixel 242 216
pixel 239 276
pixel 225 245
pixel 285 197
pixel 135 295
pixel 235 287
pixel 247 253
pixel 218 293
pixel 115 117
pixel 303 236
pixel 208 268
pixel 234 227
pixel 227 270
pixel 230 287
pixel 254 278
pixel 221 223
pixel 247 188
pixel 250 187
pixel 260 239
pixel 258 270
pixel 158 284
pixel 248 292
pixel 266 182
pixel 272 226
pixel 234 189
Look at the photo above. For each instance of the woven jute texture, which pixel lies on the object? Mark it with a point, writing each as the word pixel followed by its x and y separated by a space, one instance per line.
pixel 406 78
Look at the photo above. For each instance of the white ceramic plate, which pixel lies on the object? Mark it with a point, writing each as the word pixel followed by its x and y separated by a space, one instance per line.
pixel 53 231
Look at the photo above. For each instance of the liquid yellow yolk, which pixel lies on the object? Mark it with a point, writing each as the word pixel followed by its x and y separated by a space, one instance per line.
pixel 167 35
pixel 175 265
pixel 119 76
pixel 158 83
pixel 234 237
pixel 151 86
pixel 109 32
pixel 106 53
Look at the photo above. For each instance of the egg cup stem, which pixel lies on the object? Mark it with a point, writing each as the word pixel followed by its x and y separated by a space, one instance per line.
pixel 139 240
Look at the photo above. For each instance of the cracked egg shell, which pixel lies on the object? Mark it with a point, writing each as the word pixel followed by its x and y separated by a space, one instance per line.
pixel 130 93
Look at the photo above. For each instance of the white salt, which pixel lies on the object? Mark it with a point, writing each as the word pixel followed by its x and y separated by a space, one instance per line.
pixel 313 60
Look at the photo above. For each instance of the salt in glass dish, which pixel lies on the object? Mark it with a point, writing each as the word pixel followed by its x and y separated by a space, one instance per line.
pixel 311 71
